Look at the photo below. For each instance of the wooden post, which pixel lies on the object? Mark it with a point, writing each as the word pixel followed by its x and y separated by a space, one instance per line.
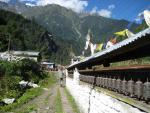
pixel 9 43
pixel 6 88
pixel 0 83
pixel 1 77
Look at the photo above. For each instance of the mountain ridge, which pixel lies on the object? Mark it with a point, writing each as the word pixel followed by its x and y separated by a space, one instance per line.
pixel 70 26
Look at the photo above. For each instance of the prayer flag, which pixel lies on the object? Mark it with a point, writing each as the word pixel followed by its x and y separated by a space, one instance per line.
pixel 147 17
pixel 124 33
pixel 121 33
pixel 99 47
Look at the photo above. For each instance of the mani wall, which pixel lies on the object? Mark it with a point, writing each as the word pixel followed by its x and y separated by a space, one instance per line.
pixel 92 100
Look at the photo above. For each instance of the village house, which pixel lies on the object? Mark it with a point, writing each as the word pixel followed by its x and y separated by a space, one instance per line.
pixel 48 65
pixel 19 55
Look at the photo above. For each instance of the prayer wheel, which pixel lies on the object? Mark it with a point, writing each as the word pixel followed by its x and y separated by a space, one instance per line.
pixel 146 91
pixel 139 89
pixel 124 87
pixel 118 85
pixel 130 87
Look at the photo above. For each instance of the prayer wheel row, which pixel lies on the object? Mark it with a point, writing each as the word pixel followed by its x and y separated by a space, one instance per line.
pixel 130 88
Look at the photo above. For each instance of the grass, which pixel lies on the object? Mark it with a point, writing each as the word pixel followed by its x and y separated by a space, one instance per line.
pixel 72 101
pixel 58 103
pixel 46 99
pixel 28 109
pixel 30 94
pixel 49 81
pixel 139 61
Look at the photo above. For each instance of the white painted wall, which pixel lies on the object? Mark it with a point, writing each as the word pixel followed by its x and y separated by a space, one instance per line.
pixel 100 103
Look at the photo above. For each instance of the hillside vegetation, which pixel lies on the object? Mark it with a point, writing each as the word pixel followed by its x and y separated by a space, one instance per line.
pixel 71 26
pixel 27 35
pixel 11 73
pixel 67 24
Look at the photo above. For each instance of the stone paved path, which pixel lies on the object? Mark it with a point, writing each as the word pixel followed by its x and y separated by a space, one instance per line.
pixel 66 105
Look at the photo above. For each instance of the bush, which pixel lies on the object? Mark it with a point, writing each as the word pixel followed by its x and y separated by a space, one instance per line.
pixel 10 87
pixel 13 82
pixel 30 70
pixel 29 93
pixel 27 69
pixel 14 72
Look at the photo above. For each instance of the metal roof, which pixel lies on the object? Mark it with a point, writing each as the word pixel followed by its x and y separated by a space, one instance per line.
pixel 25 53
pixel 47 63
pixel 19 55
pixel 127 43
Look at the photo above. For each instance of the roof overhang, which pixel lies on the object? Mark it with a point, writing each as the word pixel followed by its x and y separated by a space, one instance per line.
pixel 136 46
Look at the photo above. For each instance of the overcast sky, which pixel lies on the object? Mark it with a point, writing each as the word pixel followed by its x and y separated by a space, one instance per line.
pixel 118 9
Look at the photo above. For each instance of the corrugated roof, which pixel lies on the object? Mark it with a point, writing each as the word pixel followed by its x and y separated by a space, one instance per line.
pixel 124 42
pixel 47 63
pixel 28 53
pixel 115 47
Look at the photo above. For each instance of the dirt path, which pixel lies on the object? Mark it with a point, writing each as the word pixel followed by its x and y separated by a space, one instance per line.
pixel 65 103
pixel 43 103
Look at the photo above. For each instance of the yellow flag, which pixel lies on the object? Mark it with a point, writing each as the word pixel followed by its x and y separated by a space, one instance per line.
pixel 124 33
pixel 121 33
pixel 99 47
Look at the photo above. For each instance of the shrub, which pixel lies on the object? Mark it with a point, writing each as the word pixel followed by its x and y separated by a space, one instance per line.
pixel 14 72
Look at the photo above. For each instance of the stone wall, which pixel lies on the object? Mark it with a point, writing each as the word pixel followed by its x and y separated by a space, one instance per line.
pixel 93 101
